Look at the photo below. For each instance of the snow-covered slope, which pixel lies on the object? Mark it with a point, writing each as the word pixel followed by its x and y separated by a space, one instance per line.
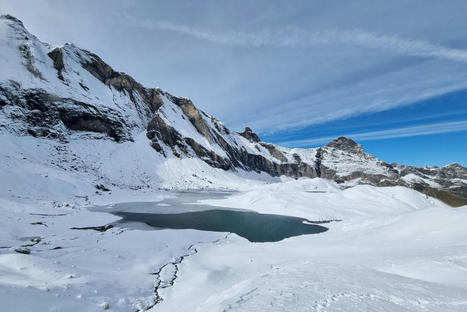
pixel 62 93
pixel 401 252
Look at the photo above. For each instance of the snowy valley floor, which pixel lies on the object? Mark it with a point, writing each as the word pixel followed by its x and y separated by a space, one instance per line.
pixel 394 250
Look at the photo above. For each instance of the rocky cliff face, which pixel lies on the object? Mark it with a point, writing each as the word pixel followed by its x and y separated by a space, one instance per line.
pixel 178 128
pixel 48 91
pixel 60 92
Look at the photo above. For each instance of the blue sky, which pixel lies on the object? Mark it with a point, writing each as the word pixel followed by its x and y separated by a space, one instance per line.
pixel 431 131
pixel 391 74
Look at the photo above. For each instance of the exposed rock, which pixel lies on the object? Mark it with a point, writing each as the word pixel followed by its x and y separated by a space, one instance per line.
pixel 250 135
pixel 121 81
pixel 12 18
pixel 208 156
pixel 237 158
pixel 43 114
pixel 29 61
pixel 22 250
pixel 100 228
pixel 101 187
pixel 446 183
pixel 318 157
pixel 274 151
pixel 446 196
pixel 345 144
pixel 57 56
pixel 87 119
pixel 158 130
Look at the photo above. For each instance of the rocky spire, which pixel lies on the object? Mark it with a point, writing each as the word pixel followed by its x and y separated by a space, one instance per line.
pixel 345 144
pixel 250 135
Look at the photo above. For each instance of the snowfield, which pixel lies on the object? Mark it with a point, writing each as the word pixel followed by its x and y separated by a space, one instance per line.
pixel 318 199
pixel 394 249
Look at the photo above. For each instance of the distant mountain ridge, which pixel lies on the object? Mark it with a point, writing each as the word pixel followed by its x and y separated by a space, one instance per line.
pixel 53 92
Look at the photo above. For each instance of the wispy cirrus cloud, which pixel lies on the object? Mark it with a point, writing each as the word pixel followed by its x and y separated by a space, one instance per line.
pixel 426 129
pixel 292 36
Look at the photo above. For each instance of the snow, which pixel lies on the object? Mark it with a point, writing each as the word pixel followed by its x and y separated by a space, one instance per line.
pixel 44 191
pixel 406 261
pixel 413 178
pixel 193 173
pixel 24 59
pixel 394 249
pixel 345 163
pixel 41 74
pixel 319 199
pixel 175 117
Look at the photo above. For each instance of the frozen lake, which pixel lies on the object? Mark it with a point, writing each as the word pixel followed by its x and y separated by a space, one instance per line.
pixel 182 212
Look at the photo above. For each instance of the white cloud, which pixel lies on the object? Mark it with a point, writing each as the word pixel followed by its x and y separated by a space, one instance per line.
pixel 433 128
pixel 293 36
pixel 436 71
pixel 375 95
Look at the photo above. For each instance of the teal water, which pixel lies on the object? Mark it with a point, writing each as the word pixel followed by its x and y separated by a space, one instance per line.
pixel 183 211
pixel 255 227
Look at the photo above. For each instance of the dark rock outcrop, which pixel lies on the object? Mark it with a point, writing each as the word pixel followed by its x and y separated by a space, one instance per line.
pixel 318 158
pixel 122 82
pixel 345 144
pixel 274 151
pixel 237 158
pixel 57 56
pixel 43 114
pixel 250 135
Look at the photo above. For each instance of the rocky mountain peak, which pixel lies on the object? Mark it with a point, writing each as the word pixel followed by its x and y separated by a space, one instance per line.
pixel 16 25
pixel 11 18
pixel 345 144
pixel 11 27
pixel 455 166
pixel 454 170
pixel 250 135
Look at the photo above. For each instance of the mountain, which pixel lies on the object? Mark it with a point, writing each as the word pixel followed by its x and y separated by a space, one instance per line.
pixel 82 116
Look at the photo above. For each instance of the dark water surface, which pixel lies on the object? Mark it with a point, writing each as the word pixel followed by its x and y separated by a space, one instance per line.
pixel 181 212
pixel 256 227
